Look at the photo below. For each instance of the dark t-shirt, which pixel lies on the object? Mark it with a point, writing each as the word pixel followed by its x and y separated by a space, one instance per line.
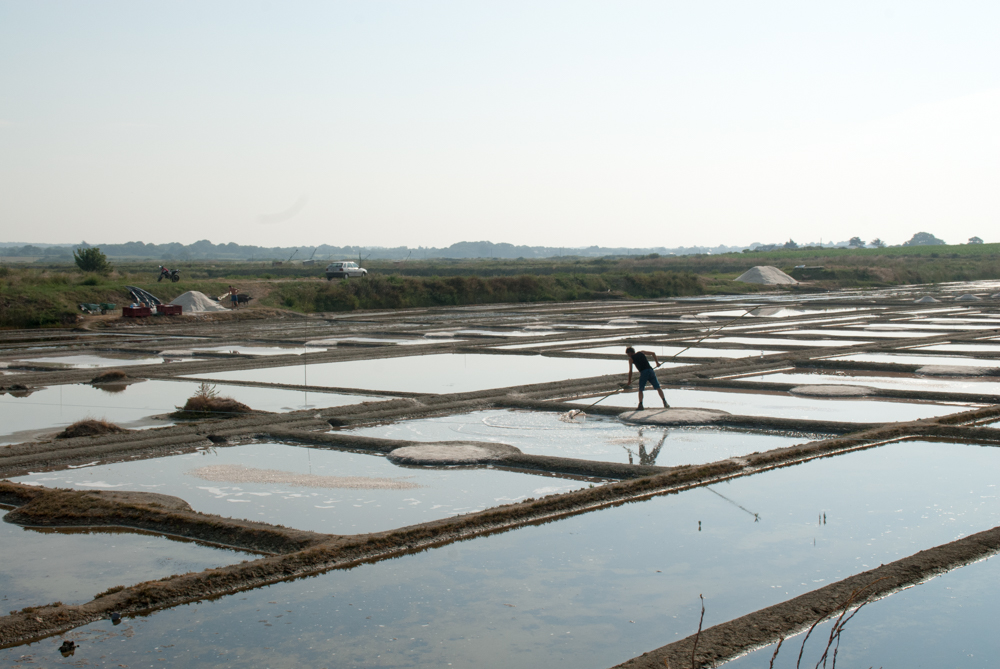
pixel 640 362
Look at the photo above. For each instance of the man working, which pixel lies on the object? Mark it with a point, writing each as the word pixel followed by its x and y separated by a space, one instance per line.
pixel 646 373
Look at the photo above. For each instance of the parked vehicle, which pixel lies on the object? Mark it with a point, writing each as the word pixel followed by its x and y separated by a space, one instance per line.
pixel 344 270
pixel 172 274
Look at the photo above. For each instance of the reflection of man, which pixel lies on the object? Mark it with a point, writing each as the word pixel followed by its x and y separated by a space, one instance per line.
pixel 648 459
pixel 646 373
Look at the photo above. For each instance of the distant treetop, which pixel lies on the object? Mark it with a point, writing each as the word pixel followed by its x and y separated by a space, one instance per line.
pixel 924 239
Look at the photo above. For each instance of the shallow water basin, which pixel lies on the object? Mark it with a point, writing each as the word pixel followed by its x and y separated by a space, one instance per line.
pixel 948 621
pixel 324 490
pixel 955 325
pixel 783 405
pixel 776 341
pixel 924 384
pixel 257 350
pixel 504 333
pixel 868 331
pixel 778 312
pixel 591 590
pixel 439 373
pixel 962 348
pixel 574 342
pixel 42 566
pixel 681 352
pixel 91 361
pixel 597 438
pixel 138 405
pixel 907 359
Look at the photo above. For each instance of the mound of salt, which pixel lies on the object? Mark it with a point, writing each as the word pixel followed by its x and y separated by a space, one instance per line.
pixel 444 453
pixel 241 474
pixel 926 299
pixel 832 391
pixel 765 274
pixel 672 416
pixel 968 298
pixel 193 302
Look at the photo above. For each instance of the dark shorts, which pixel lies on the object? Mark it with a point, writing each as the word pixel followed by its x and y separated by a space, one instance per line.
pixel 232 298
pixel 648 375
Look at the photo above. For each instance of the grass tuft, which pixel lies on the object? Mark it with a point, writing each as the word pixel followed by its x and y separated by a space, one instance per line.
pixel 206 403
pixel 89 428
pixel 114 376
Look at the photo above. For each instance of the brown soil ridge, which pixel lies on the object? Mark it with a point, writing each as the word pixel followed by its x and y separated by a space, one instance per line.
pixel 46 507
pixel 729 640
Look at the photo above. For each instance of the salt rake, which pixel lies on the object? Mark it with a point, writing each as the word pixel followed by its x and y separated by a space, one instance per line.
pixel 579 415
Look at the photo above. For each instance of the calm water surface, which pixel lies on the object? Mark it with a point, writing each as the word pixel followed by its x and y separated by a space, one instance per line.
pixel 588 591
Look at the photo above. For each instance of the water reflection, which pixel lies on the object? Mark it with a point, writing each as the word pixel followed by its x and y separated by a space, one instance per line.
pixel 947 621
pixel 645 458
pixel 596 438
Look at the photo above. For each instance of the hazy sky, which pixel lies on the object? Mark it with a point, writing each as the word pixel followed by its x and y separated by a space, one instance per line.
pixel 556 123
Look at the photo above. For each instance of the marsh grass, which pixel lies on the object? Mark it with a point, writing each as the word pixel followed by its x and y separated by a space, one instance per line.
pixel 89 427
pixel 113 376
pixel 206 403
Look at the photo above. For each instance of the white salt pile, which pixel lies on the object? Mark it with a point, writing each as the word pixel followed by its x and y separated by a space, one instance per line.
pixel 765 274
pixel 832 391
pixel 194 302
pixel 673 416
pixel 968 298
pixel 926 299
pixel 238 474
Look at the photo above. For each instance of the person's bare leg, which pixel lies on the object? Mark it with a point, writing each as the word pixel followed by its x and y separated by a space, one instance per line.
pixel 665 405
pixel 640 398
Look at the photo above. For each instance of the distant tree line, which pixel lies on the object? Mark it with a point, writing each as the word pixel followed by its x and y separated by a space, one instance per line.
pixel 206 250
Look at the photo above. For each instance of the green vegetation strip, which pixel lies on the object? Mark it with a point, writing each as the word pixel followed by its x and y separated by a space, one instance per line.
pixel 47 293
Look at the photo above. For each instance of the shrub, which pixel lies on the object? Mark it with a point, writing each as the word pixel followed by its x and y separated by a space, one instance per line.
pixel 91 260
pixel 206 403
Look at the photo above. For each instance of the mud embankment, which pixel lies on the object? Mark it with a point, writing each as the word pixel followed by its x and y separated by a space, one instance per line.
pixel 44 507
pixel 724 642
